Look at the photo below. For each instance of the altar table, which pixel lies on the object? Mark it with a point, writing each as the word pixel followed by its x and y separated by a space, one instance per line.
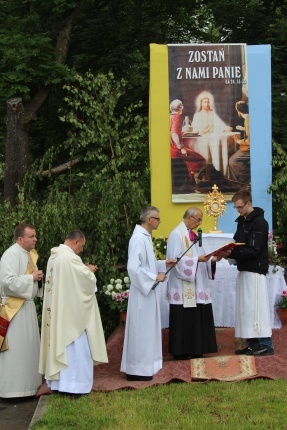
pixel 223 294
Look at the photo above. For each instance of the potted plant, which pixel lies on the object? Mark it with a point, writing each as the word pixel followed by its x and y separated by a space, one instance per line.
pixel 282 309
pixel 159 246
pixel 116 294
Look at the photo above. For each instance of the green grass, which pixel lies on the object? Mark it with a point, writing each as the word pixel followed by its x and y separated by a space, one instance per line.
pixel 216 405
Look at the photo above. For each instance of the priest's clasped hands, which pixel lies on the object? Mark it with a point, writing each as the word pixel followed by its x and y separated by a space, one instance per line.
pixel 92 267
pixel 38 275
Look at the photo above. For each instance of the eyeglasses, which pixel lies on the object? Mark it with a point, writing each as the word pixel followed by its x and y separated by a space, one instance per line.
pixel 154 217
pixel 238 208
pixel 197 219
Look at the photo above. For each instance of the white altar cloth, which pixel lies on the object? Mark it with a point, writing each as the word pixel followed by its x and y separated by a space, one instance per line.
pixel 223 296
pixel 223 287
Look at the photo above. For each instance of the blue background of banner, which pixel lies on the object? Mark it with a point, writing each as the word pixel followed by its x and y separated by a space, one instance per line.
pixel 259 99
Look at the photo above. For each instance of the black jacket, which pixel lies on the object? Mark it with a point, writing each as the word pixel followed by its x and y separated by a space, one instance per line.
pixel 253 231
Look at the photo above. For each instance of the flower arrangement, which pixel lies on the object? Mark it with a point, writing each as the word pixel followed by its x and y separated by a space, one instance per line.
pixel 159 245
pixel 274 247
pixel 282 303
pixel 116 293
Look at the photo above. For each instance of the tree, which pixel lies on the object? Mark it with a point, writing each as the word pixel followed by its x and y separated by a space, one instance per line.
pixel 20 65
pixel 278 189
pixel 106 190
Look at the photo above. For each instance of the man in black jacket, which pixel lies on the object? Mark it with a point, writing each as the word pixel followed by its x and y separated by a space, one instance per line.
pixel 252 320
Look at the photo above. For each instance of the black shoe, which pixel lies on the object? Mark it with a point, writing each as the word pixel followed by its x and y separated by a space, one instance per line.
pixel 138 378
pixel 262 351
pixel 246 351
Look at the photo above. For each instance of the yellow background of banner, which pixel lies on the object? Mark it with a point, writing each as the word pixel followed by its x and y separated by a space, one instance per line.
pixel 159 148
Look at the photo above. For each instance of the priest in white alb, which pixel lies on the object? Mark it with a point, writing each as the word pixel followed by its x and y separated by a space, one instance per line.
pixel 72 334
pixel 19 330
pixel 142 353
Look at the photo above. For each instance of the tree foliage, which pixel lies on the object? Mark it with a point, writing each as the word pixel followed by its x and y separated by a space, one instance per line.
pixel 83 67
pixel 104 192
pixel 278 189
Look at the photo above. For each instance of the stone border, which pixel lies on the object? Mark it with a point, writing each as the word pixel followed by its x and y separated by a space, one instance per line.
pixel 40 410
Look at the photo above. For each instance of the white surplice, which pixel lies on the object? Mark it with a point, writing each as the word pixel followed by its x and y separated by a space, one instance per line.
pixel 19 376
pixel 176 246
pixel 252 314
pixel 77 378
pixel 142 352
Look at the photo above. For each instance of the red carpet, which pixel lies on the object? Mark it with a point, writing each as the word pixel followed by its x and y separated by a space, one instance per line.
pixel 107 377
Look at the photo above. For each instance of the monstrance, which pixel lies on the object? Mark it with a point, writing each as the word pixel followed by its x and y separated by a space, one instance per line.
pixel 215 205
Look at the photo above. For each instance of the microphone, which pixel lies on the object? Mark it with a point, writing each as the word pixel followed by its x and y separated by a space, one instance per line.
pixel 199 234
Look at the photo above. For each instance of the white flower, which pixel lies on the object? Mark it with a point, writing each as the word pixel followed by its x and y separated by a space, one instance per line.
pixel 118 287
pixel 114 294
pixel 112 280
pixel 110 287
pixel 127 280
pixel 108 293
pixel 118 281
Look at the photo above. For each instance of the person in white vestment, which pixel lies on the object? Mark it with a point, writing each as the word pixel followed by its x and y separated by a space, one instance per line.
pixel 72 338
pixel 252 318
pixel 19 276
pixel 142 351
pixel 191 324
pixel 205 120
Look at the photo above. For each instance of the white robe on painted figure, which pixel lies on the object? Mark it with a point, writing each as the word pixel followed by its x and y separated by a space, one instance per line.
pixel 142 352
pixel 72 334
pixel 19 376
pixel 205 122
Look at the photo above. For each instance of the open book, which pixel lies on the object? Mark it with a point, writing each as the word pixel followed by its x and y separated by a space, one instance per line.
pixel 225 248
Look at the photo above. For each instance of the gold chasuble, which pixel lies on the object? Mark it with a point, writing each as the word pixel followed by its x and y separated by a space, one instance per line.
pixel 70 307
pixel 14 304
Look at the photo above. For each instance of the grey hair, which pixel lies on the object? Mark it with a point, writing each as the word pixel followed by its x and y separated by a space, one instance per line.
pixel 75 234
pixel 146 212
pixel 193 211
pixel 175 105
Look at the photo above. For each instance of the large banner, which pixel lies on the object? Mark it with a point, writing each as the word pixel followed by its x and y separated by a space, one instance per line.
pixel 209 119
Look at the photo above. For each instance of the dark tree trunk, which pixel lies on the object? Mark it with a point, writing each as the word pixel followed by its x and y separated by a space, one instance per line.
pixel 18 118
pixel 16 152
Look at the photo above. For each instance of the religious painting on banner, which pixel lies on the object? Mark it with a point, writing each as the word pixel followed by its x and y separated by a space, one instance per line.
pixel 209 119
